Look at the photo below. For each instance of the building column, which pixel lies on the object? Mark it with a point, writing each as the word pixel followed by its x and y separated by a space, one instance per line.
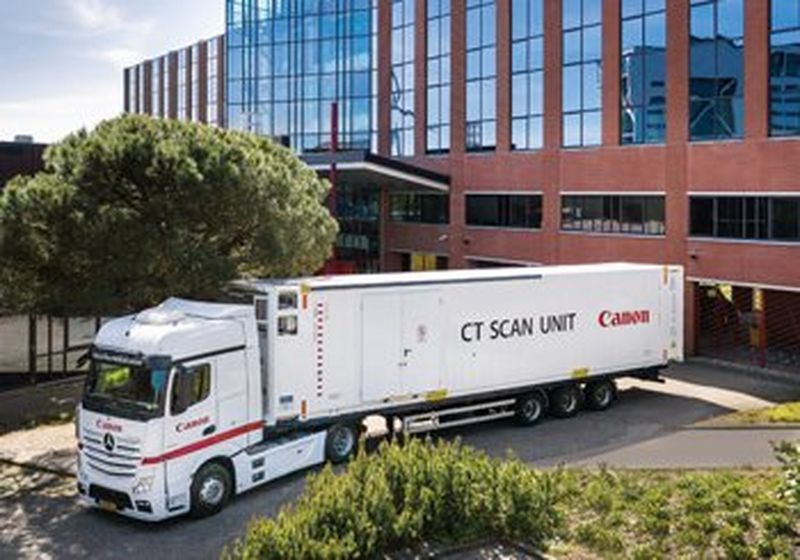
pixel 611 72
pixel 458 65
pixel 503 53
pixel 676 203
pixel 384 211
pixel 384 77
pixel 756 70
pixel 420 76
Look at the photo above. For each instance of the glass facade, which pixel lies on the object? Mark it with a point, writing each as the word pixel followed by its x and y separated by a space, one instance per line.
pixel 527 74
pixel 402 92
pixel 716 73
pixel 420 208
pixel 773 218
pixel 582 61
pixel 633 214
pixel 438 76
pixel 643 71
pixel 514 211
pixel 784 68
pixel 481 36
pixel 289 61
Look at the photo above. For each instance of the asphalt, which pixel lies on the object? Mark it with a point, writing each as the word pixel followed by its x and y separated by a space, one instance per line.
pixel 651 426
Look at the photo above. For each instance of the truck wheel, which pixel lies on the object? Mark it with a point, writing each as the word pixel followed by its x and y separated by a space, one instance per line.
pixel 530 408
pixel 565 401
pixel 341 442
pixel 211 489
pixel 600 394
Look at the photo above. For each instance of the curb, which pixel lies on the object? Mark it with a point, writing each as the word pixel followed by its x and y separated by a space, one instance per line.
pixel 768 374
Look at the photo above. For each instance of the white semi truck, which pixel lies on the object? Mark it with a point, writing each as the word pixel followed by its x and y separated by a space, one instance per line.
pixel 189 403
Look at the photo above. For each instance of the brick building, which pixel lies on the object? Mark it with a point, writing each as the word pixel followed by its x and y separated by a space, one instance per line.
pixel 521 132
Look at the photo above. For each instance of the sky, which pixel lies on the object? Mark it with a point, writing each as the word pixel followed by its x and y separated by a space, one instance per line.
pixel 61 61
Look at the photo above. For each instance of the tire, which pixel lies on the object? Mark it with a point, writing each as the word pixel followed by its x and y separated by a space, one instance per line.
pixel 341 443
pixel 600 394
pixel 565 401
pixel 530 408
pixel 212 488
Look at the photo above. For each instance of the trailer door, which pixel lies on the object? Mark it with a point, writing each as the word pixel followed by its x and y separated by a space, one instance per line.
pixel 421 364
pixel 401 335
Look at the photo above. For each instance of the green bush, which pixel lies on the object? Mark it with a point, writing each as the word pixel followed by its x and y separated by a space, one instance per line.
pixel 402 496
pixel 789 456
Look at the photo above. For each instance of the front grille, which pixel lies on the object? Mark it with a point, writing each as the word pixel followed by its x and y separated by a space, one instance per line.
pixel 120 499
pixel 121 462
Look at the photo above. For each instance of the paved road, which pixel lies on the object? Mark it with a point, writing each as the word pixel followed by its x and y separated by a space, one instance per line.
pixel 650 426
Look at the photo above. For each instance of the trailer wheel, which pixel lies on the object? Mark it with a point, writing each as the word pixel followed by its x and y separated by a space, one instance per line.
pixel 211 489
pixel 341 442
pixel 565 401
pixel 530 408
pixel 600 394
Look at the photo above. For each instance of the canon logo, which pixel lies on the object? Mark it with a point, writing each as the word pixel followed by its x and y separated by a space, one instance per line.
pixel 108 426
pixel 183 426
pixel 621 318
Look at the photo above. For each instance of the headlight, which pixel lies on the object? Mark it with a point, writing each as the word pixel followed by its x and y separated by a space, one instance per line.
pixel 143 485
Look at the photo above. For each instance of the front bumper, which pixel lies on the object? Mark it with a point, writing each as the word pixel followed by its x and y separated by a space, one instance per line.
pixel 114 495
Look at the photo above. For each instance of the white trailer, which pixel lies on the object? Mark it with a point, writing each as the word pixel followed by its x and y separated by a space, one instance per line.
pixel 190 403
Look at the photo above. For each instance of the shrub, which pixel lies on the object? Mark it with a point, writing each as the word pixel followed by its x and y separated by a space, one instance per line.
pixel 402 496
pixel 789 456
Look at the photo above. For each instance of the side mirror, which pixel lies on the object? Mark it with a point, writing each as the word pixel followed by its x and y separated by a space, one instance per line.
pixel 181 391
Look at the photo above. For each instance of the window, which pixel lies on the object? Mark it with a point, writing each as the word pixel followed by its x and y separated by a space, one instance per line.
pixel 438 75
pixel 402 94
pixel 168 95
pixel 212 74
pixel 716 74
pixel 288 62
pixel 581 85
pixel 420 208
pixel 784 68
pixel 775 218
pixel 155 93
pixel 523 211
pixel 527 74
pixel 197 380
pixel 631 214
pixel 481 75
pixel 130 77
pixel 140 89
pixel 195 116
pixel 643 71
pixel 183 108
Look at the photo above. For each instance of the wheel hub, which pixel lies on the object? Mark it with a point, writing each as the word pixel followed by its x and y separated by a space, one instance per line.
pixel 212 491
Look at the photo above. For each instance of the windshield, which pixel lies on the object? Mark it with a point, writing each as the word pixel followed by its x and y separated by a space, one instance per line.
pixel 121 388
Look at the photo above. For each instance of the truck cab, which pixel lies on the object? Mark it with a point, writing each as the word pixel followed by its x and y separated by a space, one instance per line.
pixel 171 390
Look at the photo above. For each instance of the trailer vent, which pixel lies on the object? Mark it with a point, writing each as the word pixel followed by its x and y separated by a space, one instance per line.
pixel 319 343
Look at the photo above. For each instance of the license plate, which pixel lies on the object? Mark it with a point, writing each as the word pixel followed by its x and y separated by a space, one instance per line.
pixel 105 505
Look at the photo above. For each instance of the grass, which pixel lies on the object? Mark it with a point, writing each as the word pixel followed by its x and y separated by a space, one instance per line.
pixel 785 413
pixel 674 514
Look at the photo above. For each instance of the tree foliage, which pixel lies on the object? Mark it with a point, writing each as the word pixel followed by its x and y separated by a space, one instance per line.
pixel 140 209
